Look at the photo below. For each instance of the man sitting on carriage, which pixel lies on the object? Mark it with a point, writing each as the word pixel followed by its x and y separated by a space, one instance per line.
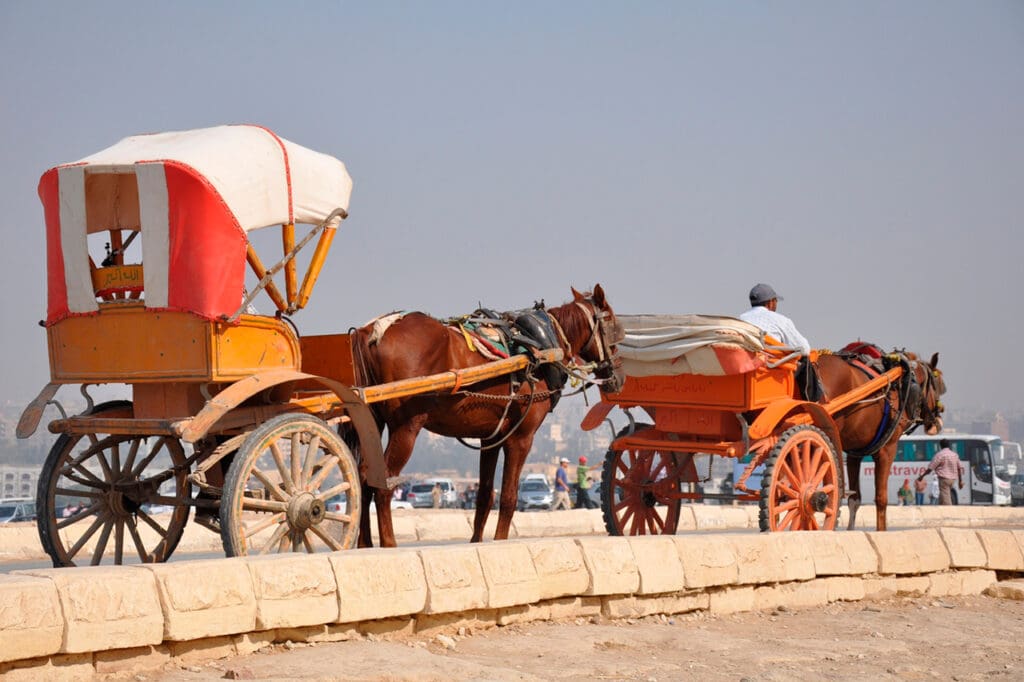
pixel 764 303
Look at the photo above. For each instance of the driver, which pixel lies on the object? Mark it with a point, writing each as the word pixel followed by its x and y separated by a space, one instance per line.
pixel 763 304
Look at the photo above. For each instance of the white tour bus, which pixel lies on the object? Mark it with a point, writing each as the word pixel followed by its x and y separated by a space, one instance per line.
pixel 988 467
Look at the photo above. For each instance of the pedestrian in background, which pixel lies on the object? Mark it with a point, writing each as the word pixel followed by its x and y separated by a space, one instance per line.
pixel 583 500
pixel 561 500
pixel 435 496
pixel 948 469
pixel 920 486
pixel 905 493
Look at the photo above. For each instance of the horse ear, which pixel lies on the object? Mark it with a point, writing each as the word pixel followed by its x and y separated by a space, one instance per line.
pixel 935 361
pixel 599 297
pixel 577 296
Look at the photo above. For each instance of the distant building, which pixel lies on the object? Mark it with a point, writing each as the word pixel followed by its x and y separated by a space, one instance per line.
pixel 18 481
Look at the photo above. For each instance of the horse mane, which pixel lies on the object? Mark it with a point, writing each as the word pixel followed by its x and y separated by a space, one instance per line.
pixel 574 323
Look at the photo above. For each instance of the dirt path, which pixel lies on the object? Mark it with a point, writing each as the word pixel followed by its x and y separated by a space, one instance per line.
pixel 970 638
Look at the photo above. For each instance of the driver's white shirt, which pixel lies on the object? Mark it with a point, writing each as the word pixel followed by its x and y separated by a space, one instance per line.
pixel 780 327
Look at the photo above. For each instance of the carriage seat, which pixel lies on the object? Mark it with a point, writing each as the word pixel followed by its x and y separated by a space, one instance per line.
pixel 665 345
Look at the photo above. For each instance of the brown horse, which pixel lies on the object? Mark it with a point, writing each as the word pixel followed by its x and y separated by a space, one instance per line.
pixel 873 426
pixel 503 413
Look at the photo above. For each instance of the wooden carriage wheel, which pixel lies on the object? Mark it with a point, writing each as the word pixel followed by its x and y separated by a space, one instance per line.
pixel 293 486
pixel 802 485
pixel 639 493
pixel 111 479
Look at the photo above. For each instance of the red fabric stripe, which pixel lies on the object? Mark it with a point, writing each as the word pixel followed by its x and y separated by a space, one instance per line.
pixel 56 285
pixel 736 360
pixel 206 263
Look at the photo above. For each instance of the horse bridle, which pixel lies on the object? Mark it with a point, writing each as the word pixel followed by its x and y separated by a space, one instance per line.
pixel 932 385
pixel 605 331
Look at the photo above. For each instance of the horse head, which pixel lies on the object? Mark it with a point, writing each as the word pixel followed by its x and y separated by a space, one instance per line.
pixel 599 345
pixel 931 384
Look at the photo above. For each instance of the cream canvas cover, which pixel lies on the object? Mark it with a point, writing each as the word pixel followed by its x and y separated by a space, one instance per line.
pixel 689 344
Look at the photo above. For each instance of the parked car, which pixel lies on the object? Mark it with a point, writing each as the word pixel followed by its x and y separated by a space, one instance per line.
pixel 22 509
pixel 421 496
pixel 534 494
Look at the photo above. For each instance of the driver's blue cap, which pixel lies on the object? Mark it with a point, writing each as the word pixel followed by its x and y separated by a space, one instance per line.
pixel 762 293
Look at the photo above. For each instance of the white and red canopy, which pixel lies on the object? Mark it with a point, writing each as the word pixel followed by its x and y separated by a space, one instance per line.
pixel 193 195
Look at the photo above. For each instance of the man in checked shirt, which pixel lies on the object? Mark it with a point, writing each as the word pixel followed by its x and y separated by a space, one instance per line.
pixel 947 467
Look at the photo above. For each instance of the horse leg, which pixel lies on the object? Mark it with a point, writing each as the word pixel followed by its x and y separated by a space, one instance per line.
pixel 883 465
pixel 516 451
pixel 365 538
pixel 401 440
pixel 485 490
pixel 853 483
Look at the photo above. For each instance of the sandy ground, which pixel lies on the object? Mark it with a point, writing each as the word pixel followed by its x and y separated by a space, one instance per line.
pixel 954 638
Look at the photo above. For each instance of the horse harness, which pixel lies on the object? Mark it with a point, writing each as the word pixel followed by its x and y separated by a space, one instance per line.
pixel 872 361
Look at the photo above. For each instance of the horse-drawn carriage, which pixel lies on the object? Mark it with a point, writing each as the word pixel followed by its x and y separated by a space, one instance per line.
pixel 233 414
pixel 717 386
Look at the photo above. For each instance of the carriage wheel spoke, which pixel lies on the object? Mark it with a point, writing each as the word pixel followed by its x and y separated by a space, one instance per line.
pixel 788 520
pixel 812 523
pixel 91 480
pixel 327 465
pixel 115 462
pixel 659 523
pixel 148 459
pixel 786 490
pixel 140 548
pixel 270 485
pixel 336 490
pixel 307 543
pixel 71 492
pixel 296 461
pixel 338 516
pixel 310 460
pixel 101 544
pixel 787 472
pixel 280 534
pixel 133 452
pixel 269 521
pixel 89 532
pixel 256 504
pixel 297 540
pixel 786 506
pixel 75 518
pixel 161 531
pixel 286 477
pixel 323 535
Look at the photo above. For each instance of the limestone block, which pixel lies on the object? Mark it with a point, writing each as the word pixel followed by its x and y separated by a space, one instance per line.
pixel 524 613
pixel 657 560
pixel 709 517
pixel 731 600
pixel 566 522
pixel 202 650
pixel 293 590
pixel 772 558
pixel 455 579
pixel 708 560
pixel 134 660
pixel 687 521
pixel 509 573
pixel 251 642
pixel 611 565
pixel 404 523
pixel 31 622
pixel 796 595
pixel 378 583
pixel 57 668
pixel 842 553
pixel 975 582
pixel 20 542
pixel 1007 589
pixel 947 584
pixel 106 607
pixel 560 568
pixel 964 547
pixel 879 587
pixel 429 623
pixel 843 588
pixel 443 525
pixel 910 551
pixel 1001 550
pixel 574 607
pixel 205 598
pixel 913 586
pixel 387 627
pixel 628 606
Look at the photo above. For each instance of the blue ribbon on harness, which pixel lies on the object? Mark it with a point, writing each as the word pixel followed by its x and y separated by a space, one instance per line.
pixel 881 426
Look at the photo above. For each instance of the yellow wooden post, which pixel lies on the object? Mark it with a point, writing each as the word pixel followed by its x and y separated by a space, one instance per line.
pixel 291 277
pixel 257 267
pixel 323 245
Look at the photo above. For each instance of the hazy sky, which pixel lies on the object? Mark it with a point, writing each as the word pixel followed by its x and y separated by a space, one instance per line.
pixel 865 158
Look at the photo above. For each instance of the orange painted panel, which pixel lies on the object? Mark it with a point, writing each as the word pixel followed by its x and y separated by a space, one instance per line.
pixel 329 355
pixel 684 390
pixel 698 422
